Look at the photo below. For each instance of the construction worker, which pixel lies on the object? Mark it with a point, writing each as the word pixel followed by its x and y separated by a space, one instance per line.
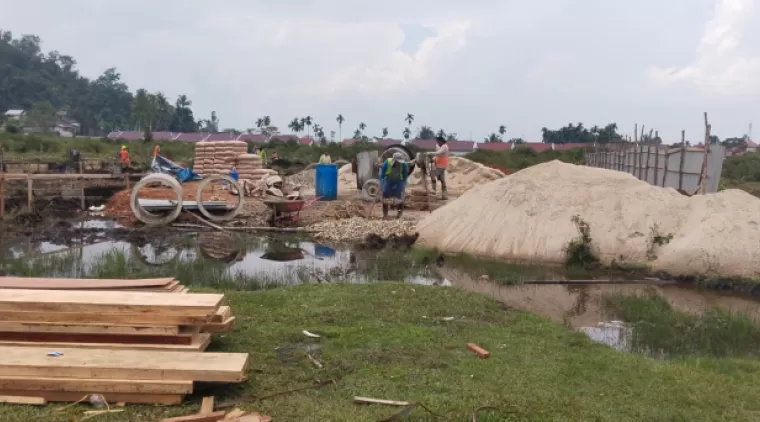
pixel 156 151
pixel 441 160
pixel 393 176
pixel 124 156
pixel 325 159
pixel 274 156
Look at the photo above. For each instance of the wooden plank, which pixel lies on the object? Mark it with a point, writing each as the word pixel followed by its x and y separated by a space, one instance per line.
pixel 113 302
pixel 207 405
pixel 222 314
pixel 22 400
pixel 63 396
pixel 210 417
pixel 199 344
pixel 95 385
pixel 122 364
pixel 218 327
pixel 94 338
pixel 103 318
pixel 52 327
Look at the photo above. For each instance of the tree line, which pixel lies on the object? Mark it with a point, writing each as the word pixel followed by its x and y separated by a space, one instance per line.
pixel 48 87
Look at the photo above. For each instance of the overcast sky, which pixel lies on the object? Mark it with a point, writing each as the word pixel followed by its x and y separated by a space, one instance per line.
pixel 464 66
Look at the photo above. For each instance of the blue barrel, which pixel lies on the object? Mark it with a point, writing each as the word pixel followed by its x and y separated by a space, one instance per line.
pixel 323 251
pixel 327 182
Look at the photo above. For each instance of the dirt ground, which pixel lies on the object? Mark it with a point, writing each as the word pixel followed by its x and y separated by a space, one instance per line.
pixel 255 212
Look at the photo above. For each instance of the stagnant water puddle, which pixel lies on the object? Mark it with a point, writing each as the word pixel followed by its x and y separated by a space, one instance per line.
pixel 661 320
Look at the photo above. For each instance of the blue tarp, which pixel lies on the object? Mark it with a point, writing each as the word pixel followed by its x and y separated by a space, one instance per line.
pixel 161 164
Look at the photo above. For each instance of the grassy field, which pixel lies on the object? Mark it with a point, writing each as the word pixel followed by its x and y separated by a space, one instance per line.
pixel 392 341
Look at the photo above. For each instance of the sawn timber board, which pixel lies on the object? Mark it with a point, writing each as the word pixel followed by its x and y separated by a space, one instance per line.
pixel 199 344
pixel 84 328
pixel 122 364
pixel 102 318
pixel 116 302
pixel 81 283
pixel 61 396
pixel 83 386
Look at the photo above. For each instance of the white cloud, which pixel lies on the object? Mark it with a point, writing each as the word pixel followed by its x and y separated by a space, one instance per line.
pixel 721 67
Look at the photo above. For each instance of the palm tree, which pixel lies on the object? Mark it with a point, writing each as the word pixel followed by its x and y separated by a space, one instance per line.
pixel 441 133
pixel 385 132
pixel 362 126
pixel 295 125
pixel 306 122
pixel 340 121
pixel 407 133
pixel 409 119
pixel 259 122
pixel 357 134
pixel 267 121
pixel 502 130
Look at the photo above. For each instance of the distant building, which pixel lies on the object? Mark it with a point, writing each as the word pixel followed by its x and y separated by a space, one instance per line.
pixel 14 114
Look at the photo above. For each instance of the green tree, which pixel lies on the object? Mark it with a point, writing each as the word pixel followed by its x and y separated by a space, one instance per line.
pixel 183 119
pixel 41 116
pixel 385 132
pixel 517 141
pixel 493 138
pixel 340 121
pixel 409 119
pixel 441 133
pixel 425 132
pixel 295 125
pixel 362 126
pixel 502 130
pixel 357 134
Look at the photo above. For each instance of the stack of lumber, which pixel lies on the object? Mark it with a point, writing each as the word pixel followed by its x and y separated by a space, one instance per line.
pixel 129 376
pixel 221 321
pixel 111 319
pixel 217 157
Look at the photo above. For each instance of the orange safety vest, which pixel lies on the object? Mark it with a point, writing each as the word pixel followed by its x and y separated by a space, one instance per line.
pixel 124 156
pixel 441 161
pixel 156 151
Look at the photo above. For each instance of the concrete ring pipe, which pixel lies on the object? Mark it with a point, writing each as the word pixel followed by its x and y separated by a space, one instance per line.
pixel 233 185
pixel 150 218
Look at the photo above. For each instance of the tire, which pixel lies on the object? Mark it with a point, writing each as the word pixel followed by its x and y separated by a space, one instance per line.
pixel 371 190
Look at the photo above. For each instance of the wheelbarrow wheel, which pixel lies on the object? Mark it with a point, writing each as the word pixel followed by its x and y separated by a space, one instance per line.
pixel 371 190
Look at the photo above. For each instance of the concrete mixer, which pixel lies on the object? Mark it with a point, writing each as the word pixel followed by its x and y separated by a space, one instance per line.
pixel 367 167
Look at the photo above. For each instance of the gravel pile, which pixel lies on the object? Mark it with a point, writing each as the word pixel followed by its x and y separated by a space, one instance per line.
pixel 357 228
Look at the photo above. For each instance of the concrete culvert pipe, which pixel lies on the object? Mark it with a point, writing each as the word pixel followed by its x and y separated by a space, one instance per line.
pixel 233 185
pixel 150 218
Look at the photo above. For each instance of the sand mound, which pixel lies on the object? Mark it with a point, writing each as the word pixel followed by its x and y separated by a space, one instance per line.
pixel 462 174
pixel 527 216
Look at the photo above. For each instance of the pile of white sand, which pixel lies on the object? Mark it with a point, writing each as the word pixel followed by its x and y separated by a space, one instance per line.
pixel 346 180
pixel 462 174
pixel 527 216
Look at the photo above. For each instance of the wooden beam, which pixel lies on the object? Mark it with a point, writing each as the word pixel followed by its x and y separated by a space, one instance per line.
pixel 123 364
pixel 199 344
pixel 207 405
pixel 100 385
pixel 23 400
pixel 64 396
pixel 29 194
pixel 211 417
pixel 84 328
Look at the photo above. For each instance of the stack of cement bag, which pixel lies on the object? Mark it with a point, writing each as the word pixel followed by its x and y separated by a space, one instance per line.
pixel 249 168
pixel 217 157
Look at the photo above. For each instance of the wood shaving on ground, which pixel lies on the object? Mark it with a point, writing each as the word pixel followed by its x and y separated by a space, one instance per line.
pixel 357 228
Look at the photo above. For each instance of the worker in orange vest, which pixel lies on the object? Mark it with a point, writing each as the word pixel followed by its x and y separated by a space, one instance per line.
pixel 441 159
pixel 124 156
pixel 156 150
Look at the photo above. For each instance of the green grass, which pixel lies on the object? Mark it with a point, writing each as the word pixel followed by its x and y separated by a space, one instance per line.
pixel 658 328
pixel 390 341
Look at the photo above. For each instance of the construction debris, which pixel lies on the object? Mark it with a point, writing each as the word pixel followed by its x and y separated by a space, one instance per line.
pixel 357 228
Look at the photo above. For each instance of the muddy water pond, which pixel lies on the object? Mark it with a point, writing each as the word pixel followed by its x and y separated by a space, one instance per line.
pixel 671 320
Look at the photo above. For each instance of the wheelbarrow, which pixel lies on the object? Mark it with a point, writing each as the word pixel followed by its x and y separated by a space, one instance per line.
pixel 286 212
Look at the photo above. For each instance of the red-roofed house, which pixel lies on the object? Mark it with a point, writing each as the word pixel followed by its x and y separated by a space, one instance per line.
pixel 494 146
pixel 455 147
pixel 565 147
pixel 306 141
pixel 535 146
pixel 751 146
